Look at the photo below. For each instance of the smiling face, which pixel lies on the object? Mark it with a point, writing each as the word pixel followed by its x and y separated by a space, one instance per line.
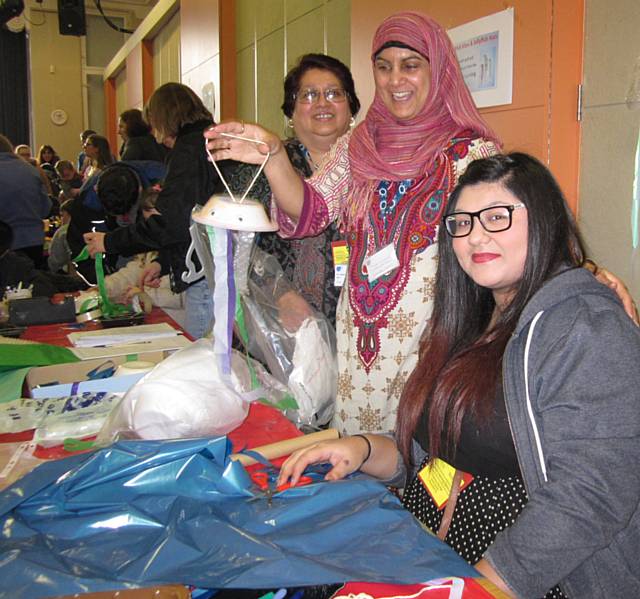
pixel 321 123
pixel 493 260
pixel 47 155
pixel 403 81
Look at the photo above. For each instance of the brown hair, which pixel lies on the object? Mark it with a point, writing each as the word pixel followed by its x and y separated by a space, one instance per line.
pixel 172 106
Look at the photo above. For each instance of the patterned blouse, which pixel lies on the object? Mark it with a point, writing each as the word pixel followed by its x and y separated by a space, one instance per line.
pixel 308 262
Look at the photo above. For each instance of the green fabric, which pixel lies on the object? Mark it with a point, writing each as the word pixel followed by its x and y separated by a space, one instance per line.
pixel 17 359
pixel 13 355
pixel 11 383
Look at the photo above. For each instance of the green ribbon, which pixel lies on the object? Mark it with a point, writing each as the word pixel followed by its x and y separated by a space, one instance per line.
pixel 107 307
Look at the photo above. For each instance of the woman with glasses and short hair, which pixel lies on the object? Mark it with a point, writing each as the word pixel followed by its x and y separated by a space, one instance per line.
pixel 320 103
pixel 520 421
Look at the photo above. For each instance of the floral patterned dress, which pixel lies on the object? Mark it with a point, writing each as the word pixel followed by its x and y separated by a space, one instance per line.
pixel 380 322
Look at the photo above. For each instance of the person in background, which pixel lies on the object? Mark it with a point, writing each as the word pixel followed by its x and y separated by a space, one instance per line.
pixel 525 392
pixel 47 159
pixel 24 152
pixel 320 103
pixel 99 152
pixel 47 156
pixel 59 259
pixel 69 179
pixel 23 203
pixel 179 118
pixel 138 142
pixel 124 284
pixel 83 161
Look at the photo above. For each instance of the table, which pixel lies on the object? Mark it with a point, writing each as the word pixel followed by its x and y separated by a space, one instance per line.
pixel 263 425
pixel 56 334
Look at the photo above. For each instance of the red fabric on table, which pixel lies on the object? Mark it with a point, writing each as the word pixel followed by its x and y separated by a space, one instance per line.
pixel 472 590
pixel 56 334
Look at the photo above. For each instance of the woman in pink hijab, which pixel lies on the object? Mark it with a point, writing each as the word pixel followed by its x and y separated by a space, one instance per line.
pixel 387 184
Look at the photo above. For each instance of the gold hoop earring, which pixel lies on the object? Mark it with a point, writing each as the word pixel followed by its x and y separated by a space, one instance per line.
pixel 290 123
pixel 352 122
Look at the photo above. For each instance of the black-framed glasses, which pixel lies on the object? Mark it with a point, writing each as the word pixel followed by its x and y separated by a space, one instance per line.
pixel 493 219
pixel 311 95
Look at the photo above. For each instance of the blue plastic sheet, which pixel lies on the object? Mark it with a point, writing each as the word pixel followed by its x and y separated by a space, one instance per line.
pixel 140 513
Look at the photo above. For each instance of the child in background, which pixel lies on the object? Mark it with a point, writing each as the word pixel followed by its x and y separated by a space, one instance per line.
pixel 59 251
pixel 69 180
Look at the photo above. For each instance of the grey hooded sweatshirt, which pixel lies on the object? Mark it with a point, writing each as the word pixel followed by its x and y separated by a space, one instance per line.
pixel 571 377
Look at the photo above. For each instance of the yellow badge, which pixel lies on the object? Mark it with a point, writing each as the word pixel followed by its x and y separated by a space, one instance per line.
pixel 437 477
pixel 340 251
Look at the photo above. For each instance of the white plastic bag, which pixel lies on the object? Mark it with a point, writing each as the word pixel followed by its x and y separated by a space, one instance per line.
pixel 183 396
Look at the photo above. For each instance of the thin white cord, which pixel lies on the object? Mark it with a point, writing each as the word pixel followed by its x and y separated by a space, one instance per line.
pixel 250 140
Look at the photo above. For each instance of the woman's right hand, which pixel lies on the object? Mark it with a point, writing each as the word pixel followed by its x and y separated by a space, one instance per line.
pixel 225 148
pixel 345 456
pixel 150 276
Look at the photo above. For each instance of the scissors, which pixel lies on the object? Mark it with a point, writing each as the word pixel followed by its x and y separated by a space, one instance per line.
pixel 264 481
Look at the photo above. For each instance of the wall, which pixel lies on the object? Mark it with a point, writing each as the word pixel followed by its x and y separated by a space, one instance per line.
pixel 200 51
pixel 57 70
pixel 610 137
pixel 547 66
pixel 166 53
pixel 270 35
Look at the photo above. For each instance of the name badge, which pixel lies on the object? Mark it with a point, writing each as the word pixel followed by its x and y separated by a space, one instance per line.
pixel 340 251
pixel 437 478
pixel 381 263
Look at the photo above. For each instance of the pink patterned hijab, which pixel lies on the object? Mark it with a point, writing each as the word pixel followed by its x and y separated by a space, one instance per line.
pixel 384 148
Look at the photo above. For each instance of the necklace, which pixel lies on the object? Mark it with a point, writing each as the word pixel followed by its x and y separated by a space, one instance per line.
pixel 307 155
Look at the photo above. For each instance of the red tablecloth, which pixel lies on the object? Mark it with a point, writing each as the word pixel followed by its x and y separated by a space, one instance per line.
pixel 56 334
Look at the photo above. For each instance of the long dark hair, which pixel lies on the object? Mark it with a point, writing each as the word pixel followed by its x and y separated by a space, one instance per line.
pixel 104 150
pixel 134 123
pixel 460 357
pixel 321 62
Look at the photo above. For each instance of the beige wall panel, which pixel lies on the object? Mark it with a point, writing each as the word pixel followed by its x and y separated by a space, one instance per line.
pixel 200 51
pixel 270 59
pixel 297 8
pixel 338 19
pixel 121 92
pixel 269 16
pixel 134 78
pixel 166 53
pixel 610 137
pixel 246 85
pixel 60 89
pixel 199 32
pixel 612 46
pixel 245 23
pixel 304 35
pixel 203 80
pixel 607 174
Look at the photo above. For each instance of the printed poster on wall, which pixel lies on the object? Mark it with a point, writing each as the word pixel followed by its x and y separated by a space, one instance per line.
pixel 485 52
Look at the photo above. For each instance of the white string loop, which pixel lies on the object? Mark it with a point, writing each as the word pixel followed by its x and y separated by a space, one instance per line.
pixel 242 138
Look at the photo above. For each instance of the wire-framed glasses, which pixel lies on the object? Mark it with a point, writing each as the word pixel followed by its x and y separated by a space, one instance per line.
pixel 493 219
pixel 311 95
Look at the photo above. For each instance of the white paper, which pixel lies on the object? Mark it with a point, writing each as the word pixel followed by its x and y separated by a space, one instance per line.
pixel 122 335
pixel 166 343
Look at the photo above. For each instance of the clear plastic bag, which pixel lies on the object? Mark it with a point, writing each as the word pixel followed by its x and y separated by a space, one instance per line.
pixel 294 341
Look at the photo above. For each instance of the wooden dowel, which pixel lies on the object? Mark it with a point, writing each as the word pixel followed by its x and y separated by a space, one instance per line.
pixel 283 448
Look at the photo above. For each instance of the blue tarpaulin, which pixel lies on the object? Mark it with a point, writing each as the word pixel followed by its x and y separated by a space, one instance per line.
pixel 140 513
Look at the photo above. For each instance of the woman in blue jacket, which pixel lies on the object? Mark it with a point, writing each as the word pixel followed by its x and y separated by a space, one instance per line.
pixel 520 422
